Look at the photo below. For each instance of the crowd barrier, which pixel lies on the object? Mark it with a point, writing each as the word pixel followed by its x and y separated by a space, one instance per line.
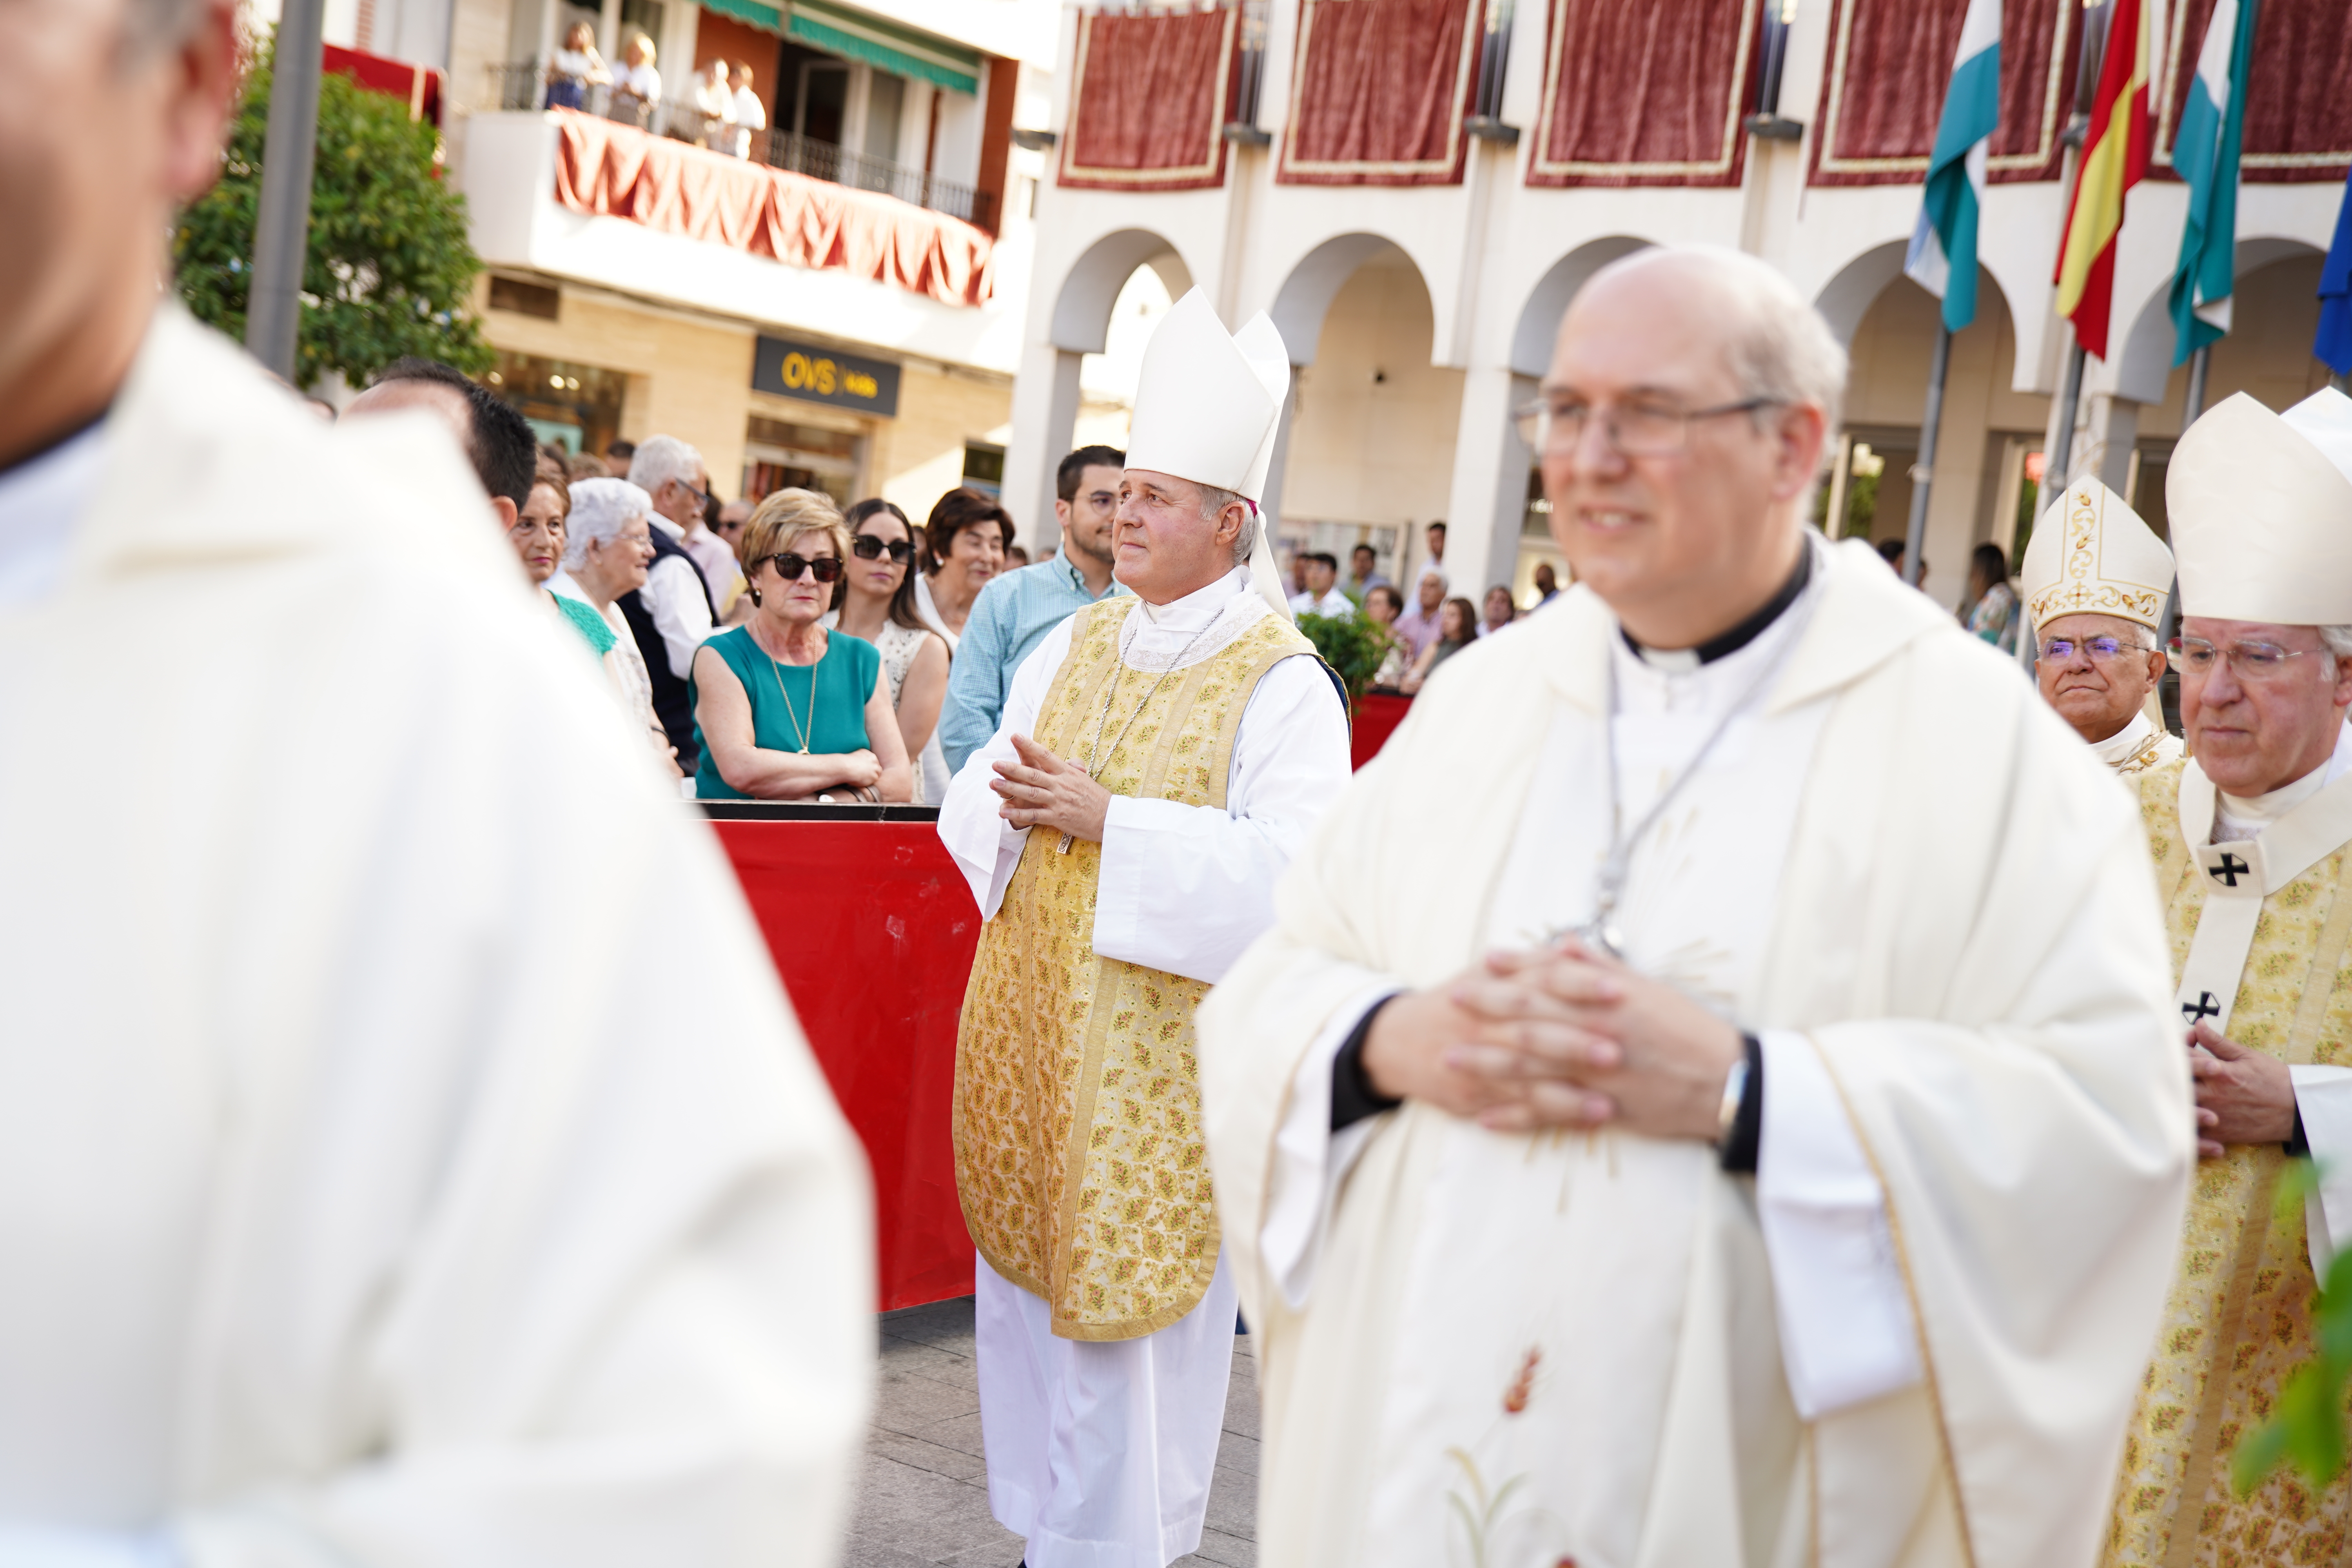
pixel 873 930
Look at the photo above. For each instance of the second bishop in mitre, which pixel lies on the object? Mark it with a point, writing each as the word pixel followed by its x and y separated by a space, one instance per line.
pixel 1159 759
pixel 2252 840
pixel 2096 580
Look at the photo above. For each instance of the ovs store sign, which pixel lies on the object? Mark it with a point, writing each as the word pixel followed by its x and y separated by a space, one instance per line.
pixel 825 375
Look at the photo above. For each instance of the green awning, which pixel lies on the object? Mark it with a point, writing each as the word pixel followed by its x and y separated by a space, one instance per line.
pixel 767 18
pixel 900 50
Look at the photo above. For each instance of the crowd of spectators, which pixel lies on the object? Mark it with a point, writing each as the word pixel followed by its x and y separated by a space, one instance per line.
pixel 722 112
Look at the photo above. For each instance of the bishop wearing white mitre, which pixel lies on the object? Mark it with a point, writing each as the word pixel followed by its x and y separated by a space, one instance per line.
pixel 2252 840
pixel 1159 761
pixel 376 1190
pixel 1656 1134
pixel 2096 579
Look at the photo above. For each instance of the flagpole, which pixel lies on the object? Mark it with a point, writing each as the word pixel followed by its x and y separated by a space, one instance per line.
pixel 1923 472
pixel 2070 394
pixel 2198 364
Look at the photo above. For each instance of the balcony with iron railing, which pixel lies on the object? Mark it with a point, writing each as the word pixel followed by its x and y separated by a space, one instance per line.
pixel 523 85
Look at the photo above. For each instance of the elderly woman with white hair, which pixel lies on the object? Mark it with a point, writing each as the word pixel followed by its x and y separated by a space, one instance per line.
pixel 608 546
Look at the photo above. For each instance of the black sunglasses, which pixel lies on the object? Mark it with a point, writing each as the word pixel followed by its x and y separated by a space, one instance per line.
pixel 869 547
pixel 790 567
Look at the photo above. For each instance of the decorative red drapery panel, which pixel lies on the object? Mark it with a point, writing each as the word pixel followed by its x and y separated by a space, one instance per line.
pixel 619 171
pixel 1890 61
pixel 1150 94
pixel 2298 107
pixel 1378 91
pixel 1645 92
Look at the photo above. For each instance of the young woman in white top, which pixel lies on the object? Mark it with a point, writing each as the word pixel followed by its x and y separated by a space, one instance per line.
pixel 577 66
pixel 636 87
pixel 876 601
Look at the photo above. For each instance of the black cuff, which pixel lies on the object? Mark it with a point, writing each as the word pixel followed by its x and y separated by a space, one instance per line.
pixel 2298 1147
pixel 1745 1141
pixel 1353 1098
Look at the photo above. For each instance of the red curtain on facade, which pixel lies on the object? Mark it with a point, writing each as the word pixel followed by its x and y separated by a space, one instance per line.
pixel 1378 91
pixel 1645 92
pixel 1890 61
pixel 419 87
pixel 2299 102
pixel 1150 94
pixel 619 171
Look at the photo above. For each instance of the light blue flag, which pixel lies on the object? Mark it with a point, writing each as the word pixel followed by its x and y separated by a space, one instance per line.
pixel 2205 156
pixel 1943 253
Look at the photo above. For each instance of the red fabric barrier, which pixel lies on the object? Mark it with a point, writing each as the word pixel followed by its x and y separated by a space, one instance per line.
pixel 619 171
pixel 873 930
pixel 419 87
pixel 1645 92
pixel 1377 717
pixel 1890 61
pixel 2298 105
pixel 1150 94
pixel 1378 92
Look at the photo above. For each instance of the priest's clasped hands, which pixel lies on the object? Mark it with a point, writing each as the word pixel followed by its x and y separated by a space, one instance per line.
pixel 1560 1037
pixel 2242 1096
pixel 1041 790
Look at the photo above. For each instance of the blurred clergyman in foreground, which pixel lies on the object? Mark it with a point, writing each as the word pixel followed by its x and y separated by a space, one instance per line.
pixel 364 1198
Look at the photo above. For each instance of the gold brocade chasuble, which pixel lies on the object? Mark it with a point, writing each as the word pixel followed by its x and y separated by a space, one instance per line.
pixel 1079 1152
pixel 2242 1295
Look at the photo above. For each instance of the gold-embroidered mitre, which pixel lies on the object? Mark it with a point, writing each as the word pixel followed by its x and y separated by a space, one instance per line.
pixel 2091 555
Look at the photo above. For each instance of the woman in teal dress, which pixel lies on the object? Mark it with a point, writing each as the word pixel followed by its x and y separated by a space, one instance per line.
pixel 783 709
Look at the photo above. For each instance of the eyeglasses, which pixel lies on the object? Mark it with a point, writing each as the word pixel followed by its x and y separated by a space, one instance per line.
pixel 1638 429
pixel 790 566
pixel 733 526
pixel 2246 659
pixel 868 547
pixel 2100 650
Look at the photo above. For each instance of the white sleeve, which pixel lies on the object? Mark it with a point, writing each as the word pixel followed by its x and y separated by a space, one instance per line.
pixel 673 595
pixel 1186 887
pixel 1310 1161
pixel 984 844
pixel 2323 1097
pixel 34 1546
pixel 1846 1328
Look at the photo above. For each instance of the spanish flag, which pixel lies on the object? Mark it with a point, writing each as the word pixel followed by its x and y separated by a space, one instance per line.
pixel 2114 159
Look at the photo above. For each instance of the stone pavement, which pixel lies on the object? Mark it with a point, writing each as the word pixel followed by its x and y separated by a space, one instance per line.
pixel 923 1498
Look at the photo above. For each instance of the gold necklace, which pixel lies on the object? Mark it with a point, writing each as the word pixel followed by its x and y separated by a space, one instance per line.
pixel 790 712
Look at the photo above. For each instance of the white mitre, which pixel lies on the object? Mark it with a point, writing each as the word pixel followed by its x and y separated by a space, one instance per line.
pixel 2260 508
pixel 2091 555
pixel 1207 408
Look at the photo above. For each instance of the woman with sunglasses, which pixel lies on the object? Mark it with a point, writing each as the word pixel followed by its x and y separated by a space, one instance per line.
pixel 876 601
pixel 783 709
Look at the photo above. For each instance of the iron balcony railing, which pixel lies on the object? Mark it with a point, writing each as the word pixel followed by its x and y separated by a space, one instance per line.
pixel 524 85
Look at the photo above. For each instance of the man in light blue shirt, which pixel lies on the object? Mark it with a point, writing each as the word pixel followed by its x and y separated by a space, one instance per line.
pixel 1015 611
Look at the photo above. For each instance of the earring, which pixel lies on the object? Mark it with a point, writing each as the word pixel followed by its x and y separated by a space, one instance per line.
pixel 755 596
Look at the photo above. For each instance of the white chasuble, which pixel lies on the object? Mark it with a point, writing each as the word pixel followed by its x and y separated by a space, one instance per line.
pixel 1517 1350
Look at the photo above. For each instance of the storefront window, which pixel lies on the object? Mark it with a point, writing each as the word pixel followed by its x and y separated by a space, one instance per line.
pixel 983 468
pixel 779 454
pixel 575 406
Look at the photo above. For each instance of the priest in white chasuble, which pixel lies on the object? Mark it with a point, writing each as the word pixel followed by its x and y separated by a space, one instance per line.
pixel 1159 761
pixel 1654 1131
pixel 2253 841
pixel 2096 579
pixel 374 1192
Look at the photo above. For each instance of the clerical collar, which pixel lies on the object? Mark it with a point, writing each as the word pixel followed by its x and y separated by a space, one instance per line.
pixel 1196 608
pixel 41 498
pixel 2126 740
pixel 1682 660
pixel 2246 816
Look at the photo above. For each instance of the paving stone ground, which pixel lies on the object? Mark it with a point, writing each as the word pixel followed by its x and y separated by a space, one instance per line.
pixel 923 1498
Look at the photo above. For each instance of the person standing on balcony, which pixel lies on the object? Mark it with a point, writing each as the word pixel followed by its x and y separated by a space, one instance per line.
pixel 674 612
pixel 715 101
pixel 636 87
pixel 1158 762
pixel 967 533
pixel 1014 613
pixel 576 68
pixel 750 114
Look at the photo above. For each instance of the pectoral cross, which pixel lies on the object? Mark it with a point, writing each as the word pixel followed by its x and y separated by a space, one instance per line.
pixel 2205 1007
pixel 2227 871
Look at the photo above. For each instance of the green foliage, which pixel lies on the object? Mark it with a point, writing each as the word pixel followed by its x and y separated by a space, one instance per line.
pixel 389 269
pixel 1351 644
pixel 2306 1426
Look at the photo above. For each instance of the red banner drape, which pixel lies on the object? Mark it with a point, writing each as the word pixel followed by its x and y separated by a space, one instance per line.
pixel 1150 94
pixel 1378 91
pixel 1890 62
pixel 2298 103
pixel 619 171
pixel 1645 92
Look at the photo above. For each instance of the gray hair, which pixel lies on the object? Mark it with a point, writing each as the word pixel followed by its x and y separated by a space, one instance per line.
pixel 600 510
pixel 1213 502
pixel 2338 640
pixel 661 458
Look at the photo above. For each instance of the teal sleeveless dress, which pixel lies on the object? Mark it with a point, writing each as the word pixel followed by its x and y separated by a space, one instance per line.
pixel 785 695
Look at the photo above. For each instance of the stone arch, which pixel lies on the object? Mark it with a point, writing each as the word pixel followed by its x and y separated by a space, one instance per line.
pixel 1315 280
pixel 1082 307
pixel 1850 291
pixel 2144 363
pixel 1538 322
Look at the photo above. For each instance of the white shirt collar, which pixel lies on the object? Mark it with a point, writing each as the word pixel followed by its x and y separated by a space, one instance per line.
pixel 1202 624
pixel 666 525
pixel 2239 817
pixel 40 501
pixel 2126 740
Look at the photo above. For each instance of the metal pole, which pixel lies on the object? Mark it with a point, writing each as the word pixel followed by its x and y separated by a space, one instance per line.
pixel 2198 363
pixel 1923 472
pixel 273 314
pixel 2060 463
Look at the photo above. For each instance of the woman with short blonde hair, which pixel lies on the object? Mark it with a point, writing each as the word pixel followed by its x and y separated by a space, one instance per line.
pixel 783 709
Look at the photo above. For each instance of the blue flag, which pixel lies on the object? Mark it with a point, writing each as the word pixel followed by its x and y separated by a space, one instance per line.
pixel 2334 342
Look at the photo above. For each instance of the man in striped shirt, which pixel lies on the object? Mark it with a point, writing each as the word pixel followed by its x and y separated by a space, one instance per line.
pixel 1016 610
